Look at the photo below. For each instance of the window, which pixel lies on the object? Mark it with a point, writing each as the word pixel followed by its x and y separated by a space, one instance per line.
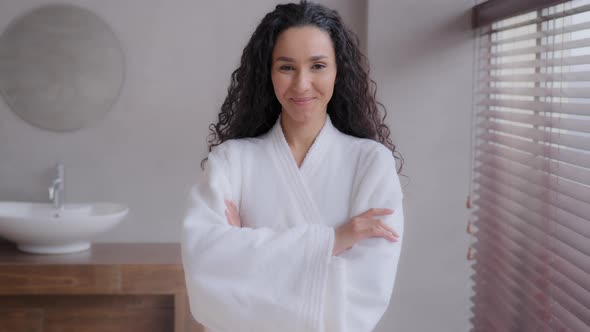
pixel 531 172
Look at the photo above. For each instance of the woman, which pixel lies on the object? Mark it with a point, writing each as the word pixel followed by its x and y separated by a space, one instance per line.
pixel 291 226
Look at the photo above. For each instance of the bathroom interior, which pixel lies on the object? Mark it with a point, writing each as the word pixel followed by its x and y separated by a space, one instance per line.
pixel 104 117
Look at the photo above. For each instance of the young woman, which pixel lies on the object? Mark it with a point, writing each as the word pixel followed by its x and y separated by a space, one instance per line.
pixel 295 223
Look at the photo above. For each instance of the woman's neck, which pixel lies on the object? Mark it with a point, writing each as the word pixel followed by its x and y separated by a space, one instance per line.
pixel 301 135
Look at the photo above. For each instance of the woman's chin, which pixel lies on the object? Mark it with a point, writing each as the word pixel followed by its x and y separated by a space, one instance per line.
pixel 302 115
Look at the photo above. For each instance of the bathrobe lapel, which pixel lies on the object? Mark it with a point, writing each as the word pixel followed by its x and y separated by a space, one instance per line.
pixel 299 177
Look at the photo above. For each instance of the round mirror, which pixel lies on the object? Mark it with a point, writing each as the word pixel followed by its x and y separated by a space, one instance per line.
pixel 61 67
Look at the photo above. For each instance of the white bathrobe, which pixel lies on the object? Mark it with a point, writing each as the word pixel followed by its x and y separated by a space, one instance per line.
pixel 277 272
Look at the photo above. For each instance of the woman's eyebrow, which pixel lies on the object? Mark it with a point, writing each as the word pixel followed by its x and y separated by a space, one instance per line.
pixel 317 57
pixel 312 58
pixel 284 58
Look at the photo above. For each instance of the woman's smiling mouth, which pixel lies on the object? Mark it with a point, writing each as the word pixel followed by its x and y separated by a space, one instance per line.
pixel 302 101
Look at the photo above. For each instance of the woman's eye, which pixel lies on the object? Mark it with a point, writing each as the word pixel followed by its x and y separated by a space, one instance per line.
pixel 318 66
pixel 286 68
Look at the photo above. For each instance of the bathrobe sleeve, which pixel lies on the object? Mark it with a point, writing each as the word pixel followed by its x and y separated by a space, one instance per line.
pixel 244 279
pixel 361 279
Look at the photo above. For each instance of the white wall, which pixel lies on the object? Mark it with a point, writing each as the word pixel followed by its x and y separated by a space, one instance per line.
pixel 147 151
pixel 421 57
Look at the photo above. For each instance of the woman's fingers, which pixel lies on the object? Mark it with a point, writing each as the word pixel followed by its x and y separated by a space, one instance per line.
pixel 377 228
pixel 389 235
pixel 376 212
pixel 231 207
pixel 229 218
pixel 231 213
pixel 369 227
pixel 363 226
pixel 387 228
pixel 389 232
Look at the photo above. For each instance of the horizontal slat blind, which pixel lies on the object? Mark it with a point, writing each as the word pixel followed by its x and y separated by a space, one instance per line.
pixel 531 172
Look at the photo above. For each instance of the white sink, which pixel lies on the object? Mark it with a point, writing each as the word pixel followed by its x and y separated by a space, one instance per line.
pixel 41 229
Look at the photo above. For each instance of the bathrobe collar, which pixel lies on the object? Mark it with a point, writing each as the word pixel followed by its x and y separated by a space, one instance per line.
pixel 299 177
pixel 315 153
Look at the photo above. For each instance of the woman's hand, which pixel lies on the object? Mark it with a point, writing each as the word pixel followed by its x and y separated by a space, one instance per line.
pixel 361 227
pixel 232 215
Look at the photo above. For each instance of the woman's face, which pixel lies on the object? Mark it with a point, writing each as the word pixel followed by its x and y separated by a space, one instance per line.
pixel 304 72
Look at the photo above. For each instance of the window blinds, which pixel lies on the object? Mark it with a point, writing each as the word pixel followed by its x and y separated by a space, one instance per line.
pixel 531 172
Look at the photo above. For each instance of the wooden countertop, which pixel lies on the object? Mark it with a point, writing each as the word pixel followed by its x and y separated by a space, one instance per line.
pixel 107 268
pixel 145 278
pixel 99 254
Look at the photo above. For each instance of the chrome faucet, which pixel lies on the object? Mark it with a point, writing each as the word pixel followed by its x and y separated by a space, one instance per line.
pixel 57 188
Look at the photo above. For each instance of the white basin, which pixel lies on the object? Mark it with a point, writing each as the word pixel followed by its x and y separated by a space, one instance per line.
pixel 41 229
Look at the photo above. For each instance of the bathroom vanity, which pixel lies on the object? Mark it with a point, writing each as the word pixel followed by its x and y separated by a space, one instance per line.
pixel 109 288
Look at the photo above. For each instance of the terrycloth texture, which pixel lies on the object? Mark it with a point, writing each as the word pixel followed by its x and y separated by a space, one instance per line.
pixel 277 272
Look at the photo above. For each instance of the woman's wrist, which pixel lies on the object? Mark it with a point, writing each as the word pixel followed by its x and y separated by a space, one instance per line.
pixel 338 242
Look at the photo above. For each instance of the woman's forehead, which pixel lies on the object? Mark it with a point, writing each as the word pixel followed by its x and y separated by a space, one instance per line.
pixel 303 43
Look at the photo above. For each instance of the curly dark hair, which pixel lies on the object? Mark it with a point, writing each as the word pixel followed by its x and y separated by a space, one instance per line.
pixel 251 107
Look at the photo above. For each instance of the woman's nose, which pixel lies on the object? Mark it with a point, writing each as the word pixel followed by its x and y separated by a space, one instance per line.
pixel 302 82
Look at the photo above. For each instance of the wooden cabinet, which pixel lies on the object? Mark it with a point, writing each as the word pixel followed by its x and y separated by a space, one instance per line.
pixel 110 288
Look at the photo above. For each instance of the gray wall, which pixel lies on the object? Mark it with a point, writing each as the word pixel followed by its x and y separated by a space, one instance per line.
pixel 146 153
pixel 421 55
